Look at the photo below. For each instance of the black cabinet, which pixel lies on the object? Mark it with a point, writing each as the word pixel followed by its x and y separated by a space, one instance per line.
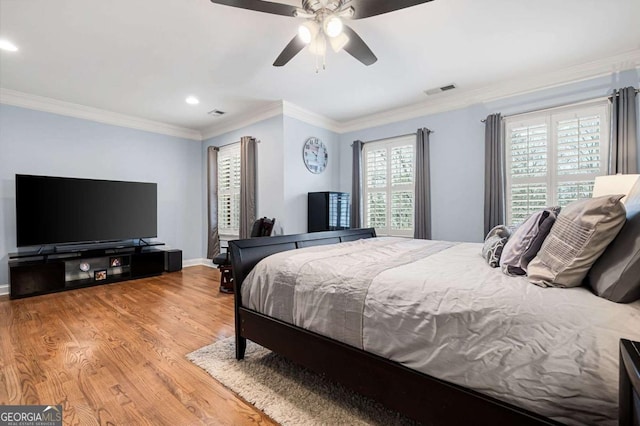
pixel 29 278
pixel 34 274
pixel 328 211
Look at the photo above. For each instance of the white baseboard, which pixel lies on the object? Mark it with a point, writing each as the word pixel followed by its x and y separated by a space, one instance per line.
pixel 197 262
pixel 4 289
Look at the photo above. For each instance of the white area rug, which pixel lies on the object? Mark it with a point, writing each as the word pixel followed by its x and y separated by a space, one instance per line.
pixel 286 392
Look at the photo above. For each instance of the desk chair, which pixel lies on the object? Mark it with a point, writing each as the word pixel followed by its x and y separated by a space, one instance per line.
pixel 262 227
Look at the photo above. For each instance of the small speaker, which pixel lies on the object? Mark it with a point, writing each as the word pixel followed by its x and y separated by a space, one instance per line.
pixel 173 260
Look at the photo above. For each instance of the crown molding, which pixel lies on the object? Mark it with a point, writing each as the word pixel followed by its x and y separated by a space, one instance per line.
pixel 245 119
pixel 41 103
pixel 464 98
pixel 310 117
pixel 443 102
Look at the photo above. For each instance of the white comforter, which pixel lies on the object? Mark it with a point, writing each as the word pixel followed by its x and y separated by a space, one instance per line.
pixel 438 308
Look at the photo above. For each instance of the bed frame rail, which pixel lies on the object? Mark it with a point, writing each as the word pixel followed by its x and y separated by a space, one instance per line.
pixel 423 398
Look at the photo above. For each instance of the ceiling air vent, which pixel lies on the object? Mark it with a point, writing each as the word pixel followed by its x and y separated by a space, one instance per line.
pixel 216 113
pixel 440 89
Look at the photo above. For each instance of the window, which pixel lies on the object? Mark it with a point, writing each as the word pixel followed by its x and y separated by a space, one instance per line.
pixel 553 157
pixel 229 190
pixel 389 186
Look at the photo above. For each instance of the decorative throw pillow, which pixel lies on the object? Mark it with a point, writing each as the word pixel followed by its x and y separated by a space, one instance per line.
pixel 526 241
pixel 580 235
pixel 493 244
pixel 616 274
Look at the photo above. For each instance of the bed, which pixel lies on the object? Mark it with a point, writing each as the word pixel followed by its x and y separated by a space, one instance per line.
pixel 430 330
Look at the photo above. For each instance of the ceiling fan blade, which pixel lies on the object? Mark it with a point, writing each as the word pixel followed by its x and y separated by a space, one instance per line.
pixel 357 48
pixel 260 6
pixel 293 48
pixel 367 8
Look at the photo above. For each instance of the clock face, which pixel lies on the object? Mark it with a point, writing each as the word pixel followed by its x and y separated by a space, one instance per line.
pixel 315 155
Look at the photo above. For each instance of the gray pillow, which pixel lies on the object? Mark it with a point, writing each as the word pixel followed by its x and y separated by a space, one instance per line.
pixel 493 244
pixel 616 274
pixel 580 235
pixel 526 241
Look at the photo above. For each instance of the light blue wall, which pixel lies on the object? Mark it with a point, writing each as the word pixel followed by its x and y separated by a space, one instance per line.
pixel 270 165
pixel 34 142
pixel 457 150
pixel 297 179
pixel 42 143
pixel 283 180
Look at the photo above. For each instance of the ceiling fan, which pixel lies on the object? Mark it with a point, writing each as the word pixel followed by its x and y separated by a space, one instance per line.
pixel 325 24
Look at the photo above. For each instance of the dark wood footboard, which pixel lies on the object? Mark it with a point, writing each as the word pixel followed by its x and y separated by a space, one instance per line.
pixel 417 395
pixel 245 254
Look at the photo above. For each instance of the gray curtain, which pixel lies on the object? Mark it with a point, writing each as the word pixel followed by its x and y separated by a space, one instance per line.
pixel 213 239
pixel 356 185
pixel 247 185
pixel 422 220
pixel 494 183
pixel 623 150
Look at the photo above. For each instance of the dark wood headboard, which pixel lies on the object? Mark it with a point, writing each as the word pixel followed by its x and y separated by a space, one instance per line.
pixel 245 254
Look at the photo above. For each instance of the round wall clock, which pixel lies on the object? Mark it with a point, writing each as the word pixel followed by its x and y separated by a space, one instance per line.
pixel 315 155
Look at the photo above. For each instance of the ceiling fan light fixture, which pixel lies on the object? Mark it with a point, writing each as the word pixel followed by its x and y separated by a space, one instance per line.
pixel 339 42
pixel 308 31
pixel 332 26
pixel 347 13
pixel 318 46
pixel 192 100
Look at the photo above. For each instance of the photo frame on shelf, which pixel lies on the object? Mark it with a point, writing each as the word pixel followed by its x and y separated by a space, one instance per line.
pixel 100 275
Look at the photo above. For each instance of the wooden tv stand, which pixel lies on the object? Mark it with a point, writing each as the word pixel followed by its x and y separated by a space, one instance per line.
pixel 35 273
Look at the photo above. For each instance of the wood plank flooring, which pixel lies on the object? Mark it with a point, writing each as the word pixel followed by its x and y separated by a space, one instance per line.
pixel 115 354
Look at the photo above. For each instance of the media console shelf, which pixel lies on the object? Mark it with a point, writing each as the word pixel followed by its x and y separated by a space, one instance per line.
pixel 34 273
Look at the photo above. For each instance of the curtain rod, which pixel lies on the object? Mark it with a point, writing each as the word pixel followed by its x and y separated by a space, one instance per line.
pixel 601 98
pixel 217 148
pixel 390 137
pixel 394 137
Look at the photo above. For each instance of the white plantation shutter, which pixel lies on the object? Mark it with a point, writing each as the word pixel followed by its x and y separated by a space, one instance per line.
pixel 389 186
pixel 553 157
pixel 580 146
pixel 527 150
pixel 229 190
pixel 375 169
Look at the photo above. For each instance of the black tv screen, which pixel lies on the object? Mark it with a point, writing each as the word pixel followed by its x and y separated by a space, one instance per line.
pixel 57 210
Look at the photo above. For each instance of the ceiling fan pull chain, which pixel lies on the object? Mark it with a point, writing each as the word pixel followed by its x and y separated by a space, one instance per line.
pixel 324 60
pixel 323 42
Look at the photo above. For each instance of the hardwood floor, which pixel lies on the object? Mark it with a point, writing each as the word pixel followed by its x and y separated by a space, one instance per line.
pixel 115 354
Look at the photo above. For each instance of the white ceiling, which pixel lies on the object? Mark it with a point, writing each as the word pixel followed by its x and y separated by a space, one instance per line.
pixel 143 57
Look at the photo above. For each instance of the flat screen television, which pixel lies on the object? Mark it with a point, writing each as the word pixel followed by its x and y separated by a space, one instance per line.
pixel 59 210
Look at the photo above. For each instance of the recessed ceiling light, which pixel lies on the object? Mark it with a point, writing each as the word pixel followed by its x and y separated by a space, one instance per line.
pixel 192 100
pixel 8 46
